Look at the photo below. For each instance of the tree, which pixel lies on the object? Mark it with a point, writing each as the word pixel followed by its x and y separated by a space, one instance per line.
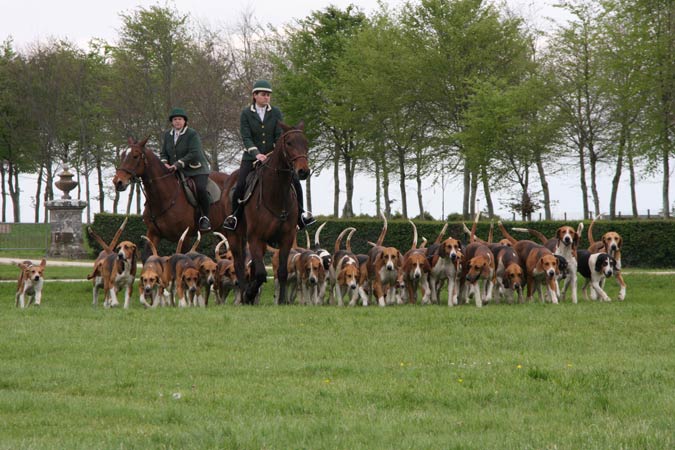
pixel 306 71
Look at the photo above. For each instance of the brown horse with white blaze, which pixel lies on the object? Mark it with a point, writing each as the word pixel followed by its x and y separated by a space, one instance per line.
pixel 167 212
pixel 271 213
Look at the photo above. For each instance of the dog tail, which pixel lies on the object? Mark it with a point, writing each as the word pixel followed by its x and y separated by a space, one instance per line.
pixel 472 237
pixel 439 238
pixel 591 241
pixel 195 246
pixel 338 241
pixel 179 246
pixel 223 240
pixel 414 241
pixel 383 233
pixel 506 234
pixel 317 244
pixel 348 244
pixel 309 242
pixel 152 245
pixel 116 238
pixel 424 242
pixel 532 232
pixel 99 239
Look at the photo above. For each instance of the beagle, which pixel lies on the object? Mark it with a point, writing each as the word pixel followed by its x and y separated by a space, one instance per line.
pixel 382 267
pixel 326 261
pixel 564 244
pixel 309 276
pixel 118 272
pixel 595 268
pixel 151 288
pixel 414 272
pixel 226 277
pixel 345 273
pixel 30 282
pixel 445 258
pixel 509 273
pixel 107 249
pixel 540 266
pixel 479 265
pixel 610 243
pixel 207 272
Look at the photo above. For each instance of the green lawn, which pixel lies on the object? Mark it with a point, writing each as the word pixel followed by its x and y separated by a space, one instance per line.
pixel 586 376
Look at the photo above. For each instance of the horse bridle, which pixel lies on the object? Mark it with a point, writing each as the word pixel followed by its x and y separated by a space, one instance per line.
pixel 289 161
pixel 134 175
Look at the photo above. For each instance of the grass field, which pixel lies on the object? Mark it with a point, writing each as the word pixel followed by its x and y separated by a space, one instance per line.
pixel 586 376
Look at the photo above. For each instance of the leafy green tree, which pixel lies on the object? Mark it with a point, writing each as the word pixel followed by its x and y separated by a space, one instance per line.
pixel 306 75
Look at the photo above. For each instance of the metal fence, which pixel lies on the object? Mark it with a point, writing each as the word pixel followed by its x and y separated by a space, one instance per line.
pixel 25 236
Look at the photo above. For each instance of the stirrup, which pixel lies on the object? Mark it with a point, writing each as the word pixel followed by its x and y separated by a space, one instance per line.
pixel 307 218
pixel 230 222
pixel 204 224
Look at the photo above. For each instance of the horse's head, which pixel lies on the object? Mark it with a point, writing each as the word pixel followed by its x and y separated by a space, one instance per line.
pixel 132 164
pixel 295 147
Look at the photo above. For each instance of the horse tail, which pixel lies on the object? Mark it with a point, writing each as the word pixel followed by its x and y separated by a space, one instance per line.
pixel 317 244
pixel 338 241
pixel 348 244
pixel 152 245
pixel 383 233
pixel 179 247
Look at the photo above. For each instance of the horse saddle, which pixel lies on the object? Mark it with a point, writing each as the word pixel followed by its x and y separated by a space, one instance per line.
pixel 191 191
pixel 251 181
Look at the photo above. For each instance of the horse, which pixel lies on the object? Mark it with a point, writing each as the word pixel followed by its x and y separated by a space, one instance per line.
pixel 167 211
pixel 271 213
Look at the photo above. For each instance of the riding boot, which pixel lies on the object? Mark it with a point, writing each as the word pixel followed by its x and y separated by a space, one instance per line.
pixel 232 220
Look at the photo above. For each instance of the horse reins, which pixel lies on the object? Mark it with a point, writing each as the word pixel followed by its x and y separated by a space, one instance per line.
pixel 289 162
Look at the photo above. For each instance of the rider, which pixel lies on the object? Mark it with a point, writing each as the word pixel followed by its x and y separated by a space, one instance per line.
pixel 182 150
pixel 258 125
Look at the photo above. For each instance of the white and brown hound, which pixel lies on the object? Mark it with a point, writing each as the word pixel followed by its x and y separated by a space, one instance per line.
pixel 414 273
pixel 383 265
pixel 565 244
pixel 445 258
pixel 30 282
pixel 610 243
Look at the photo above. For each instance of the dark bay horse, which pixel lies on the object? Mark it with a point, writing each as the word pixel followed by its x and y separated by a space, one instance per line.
pixel 167 212
pixel 271 213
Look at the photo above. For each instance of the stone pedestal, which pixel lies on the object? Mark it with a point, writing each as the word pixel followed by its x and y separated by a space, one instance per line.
pixel 65 217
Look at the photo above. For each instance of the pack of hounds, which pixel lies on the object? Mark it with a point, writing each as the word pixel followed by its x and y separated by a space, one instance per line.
pixel 481 271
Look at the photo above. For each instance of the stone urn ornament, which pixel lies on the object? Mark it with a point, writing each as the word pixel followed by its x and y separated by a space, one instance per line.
pixel 66 183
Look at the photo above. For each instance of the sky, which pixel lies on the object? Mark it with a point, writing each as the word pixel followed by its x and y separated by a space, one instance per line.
pixel 81 20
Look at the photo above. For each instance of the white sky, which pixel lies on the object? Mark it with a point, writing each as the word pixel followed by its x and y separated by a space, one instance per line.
pixel 28 21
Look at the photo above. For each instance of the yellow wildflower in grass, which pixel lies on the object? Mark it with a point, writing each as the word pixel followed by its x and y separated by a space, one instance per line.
pixel 519 366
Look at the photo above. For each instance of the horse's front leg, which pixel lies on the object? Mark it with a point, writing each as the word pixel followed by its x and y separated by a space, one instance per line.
pixel 259 274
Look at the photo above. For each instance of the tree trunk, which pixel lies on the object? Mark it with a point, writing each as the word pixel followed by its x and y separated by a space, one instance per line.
pixel 14 192
pixel 593 162
pixel 467 191
pixel 617 173
pixel 99 174
pixel 308 193
pixel 378 188
pixel 544 187
pixel 336 182
pixel 385 190
pixel 3 192
pixel 401 185
pixel 348 208
pixel 488 193
pixel 474 195
pixel 38 193
pixel 633 194
pixel 666 178
pixel 582 182
pixel 418 179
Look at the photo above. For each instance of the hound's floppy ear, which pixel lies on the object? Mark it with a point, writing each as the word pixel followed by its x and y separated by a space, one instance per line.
pixel 599 261
pixel 341 277
pixel 620 242
pixel 485 270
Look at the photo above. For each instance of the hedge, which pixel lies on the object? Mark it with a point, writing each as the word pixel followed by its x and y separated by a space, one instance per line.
pixel 646 243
